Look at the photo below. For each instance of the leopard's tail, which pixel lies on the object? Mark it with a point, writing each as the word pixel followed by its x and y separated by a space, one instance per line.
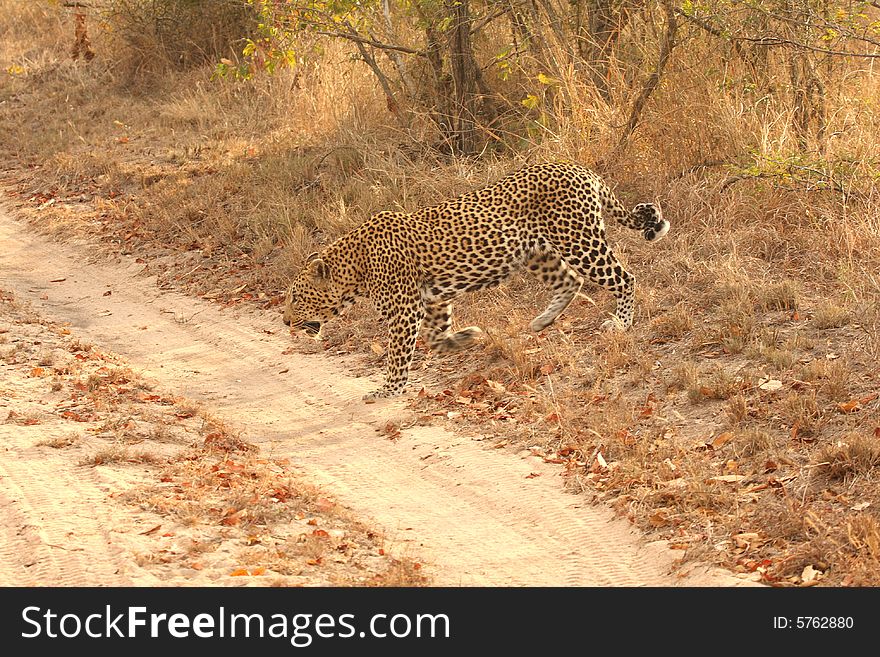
pixel 646 217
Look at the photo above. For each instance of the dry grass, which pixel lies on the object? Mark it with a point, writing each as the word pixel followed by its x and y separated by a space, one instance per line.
pixel 117 454
pixel 758 318
pixel 851 456
pixel 60 442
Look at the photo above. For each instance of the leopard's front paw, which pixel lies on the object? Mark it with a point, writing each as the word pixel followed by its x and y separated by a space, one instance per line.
pixel 381 393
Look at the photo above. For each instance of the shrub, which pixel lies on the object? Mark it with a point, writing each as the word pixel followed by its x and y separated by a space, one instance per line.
pixel 177 33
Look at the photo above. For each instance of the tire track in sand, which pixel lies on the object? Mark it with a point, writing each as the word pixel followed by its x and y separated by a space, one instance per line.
pixel 38 546
pixel 469 512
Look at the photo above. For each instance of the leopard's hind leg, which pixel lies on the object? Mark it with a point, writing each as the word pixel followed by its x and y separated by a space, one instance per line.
pixel 546 264
pixel 599 264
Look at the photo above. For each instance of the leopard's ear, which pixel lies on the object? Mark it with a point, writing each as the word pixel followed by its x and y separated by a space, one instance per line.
pixel 311 257
pixel 318 271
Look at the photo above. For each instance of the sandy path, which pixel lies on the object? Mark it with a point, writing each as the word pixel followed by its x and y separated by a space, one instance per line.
pixel 468 511
pixel 47 539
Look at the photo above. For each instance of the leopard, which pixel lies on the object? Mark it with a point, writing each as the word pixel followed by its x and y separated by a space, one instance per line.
pixel 545 219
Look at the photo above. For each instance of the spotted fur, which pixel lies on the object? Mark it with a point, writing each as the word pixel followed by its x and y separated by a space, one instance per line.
pixel 546 219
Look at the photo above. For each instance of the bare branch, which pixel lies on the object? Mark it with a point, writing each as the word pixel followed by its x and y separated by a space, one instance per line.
pixel 770 41
pixel 371 42
pixel 488 18
pixel 370 61
pixel 703 25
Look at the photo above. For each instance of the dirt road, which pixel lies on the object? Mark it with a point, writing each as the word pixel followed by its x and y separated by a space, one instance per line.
pixel 469 512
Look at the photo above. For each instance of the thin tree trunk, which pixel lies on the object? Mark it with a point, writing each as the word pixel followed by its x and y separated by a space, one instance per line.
pixel 598 35
pixel 395 56
pixel 667 43
pixel 384 82
pixel 464 76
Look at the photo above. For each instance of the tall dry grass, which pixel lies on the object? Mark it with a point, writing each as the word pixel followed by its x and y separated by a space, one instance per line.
pixel 769 275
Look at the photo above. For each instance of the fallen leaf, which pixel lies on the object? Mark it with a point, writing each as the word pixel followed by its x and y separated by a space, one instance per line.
pixel 599 462
pixel 391 430
pixel 58 280
pixel 320 533
pixel 376 348
pixel 809 574
pixel 658 518
pixel 746 539
pixel 850 406
pixel 780 483
pixel 239 572
pixel 323 504
pixel 532 475
pixel 861 506
pixel 770 385
pixel 721 440
pixel 151 530
pixel 37 371
pixel 107 293
pixel 495 386
pixel 259 570
pixel 728 479
pixel 547 369
pixel 629 439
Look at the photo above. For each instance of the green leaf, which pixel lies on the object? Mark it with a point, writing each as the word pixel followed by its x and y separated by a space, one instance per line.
pixel 531 101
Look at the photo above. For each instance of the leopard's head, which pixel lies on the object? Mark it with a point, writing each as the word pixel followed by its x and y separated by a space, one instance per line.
pixel 650 220
pixel 313 297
